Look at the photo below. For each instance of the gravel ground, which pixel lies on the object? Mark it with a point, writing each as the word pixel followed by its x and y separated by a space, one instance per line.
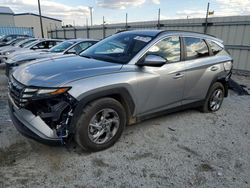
pixel 184 149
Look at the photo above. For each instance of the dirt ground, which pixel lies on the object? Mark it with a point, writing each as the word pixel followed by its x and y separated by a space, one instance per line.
pixel 184 149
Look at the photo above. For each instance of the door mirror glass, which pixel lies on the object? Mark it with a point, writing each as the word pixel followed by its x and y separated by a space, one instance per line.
pixel 153 61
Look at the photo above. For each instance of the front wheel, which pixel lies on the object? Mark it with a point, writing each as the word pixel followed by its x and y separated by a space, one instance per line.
pixel 100 124
pixel 214 98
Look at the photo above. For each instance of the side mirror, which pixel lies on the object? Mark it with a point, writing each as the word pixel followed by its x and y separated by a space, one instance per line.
pixel 153 61
pixel 71 52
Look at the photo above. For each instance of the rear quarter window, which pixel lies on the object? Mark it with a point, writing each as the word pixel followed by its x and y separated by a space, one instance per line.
pixel 195 48
pixel 215 48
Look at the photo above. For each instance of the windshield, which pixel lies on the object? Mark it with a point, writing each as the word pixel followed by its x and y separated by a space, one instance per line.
pixel 30 44
pixel 119 48
pixel 10 42
pixel 2 37
pixel 15 41
pixel 61 47
pixel 25 43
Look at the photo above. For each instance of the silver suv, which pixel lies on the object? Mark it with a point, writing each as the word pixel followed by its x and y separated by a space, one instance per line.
pixel 121 80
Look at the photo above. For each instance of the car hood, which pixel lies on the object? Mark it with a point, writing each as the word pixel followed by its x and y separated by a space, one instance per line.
pixel 22 57
pixel 6 48
pixel 12 49
pixel 19 50
pixel 62 70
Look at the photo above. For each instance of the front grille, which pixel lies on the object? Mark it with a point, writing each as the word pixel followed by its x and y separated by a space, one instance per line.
pixel 19 92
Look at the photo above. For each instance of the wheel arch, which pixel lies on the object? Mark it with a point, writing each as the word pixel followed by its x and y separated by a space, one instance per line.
pixel 120 94
pixel 223 80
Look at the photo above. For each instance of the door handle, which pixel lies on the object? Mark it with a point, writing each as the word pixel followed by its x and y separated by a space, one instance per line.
pixel 178 75
pixel 214 68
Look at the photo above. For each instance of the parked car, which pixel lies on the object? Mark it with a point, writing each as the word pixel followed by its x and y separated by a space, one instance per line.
pixel 122 79
pixel 21 44
pixel 13 42
pixel 40 44
pixel 6 38
pixel 73 46
pixel 18 45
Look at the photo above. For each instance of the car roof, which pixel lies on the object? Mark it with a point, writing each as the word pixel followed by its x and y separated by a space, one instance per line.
pixel 191 33
pixel 155 33
pixel 81 40
pixel 151 33
pixel 45 39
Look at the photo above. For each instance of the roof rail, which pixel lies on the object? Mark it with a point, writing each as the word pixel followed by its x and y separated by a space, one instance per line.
pixel 189 32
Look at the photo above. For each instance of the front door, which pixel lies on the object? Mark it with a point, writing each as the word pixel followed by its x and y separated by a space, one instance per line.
pixel 162 87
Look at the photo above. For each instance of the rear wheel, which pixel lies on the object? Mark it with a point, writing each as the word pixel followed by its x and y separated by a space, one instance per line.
pixel 214 98
pixel 100 124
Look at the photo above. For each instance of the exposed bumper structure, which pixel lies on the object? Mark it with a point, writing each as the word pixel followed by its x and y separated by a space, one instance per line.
pixel 32 126
pixel 3 58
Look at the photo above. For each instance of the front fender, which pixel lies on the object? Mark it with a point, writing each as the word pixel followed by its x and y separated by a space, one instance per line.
pixel 92 88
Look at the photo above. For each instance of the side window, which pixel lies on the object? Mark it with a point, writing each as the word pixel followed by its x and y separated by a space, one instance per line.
pixel 215 47
pixel 169 49
pixel 40 45
pixel 75 50
pixel 84 45
pixel 195 48
pixel 51 44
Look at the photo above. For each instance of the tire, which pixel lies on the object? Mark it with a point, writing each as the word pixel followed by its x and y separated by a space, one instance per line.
pixel 89 126
pixel 210 98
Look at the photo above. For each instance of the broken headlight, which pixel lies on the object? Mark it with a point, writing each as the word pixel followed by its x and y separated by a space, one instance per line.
pixel 43 92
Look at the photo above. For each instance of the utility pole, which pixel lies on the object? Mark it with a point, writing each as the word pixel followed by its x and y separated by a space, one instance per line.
pixel 126 26
pixel 87 28
pixel 40 15
pixel 91 15
pixel 103 24
pixel 206 21
pixel 159 18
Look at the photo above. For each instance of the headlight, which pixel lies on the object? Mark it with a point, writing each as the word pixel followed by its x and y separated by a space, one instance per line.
pixel 52 91
pixel 43 92
pixel 8 52
pixel 228 65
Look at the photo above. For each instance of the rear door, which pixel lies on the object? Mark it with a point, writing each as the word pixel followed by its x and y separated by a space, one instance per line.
pixel 200 69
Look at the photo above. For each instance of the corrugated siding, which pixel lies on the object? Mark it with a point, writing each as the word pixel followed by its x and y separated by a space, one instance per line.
pixel 16 30
pixel 233 30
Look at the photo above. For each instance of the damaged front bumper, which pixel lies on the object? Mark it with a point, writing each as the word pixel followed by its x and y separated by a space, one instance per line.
pixel 32 126
pixel 45 119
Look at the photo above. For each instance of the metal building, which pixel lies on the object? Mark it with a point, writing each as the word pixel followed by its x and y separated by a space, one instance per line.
pixel 33 21
pixel 6 17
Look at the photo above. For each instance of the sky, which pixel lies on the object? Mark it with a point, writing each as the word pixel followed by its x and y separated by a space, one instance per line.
pixel 76 12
